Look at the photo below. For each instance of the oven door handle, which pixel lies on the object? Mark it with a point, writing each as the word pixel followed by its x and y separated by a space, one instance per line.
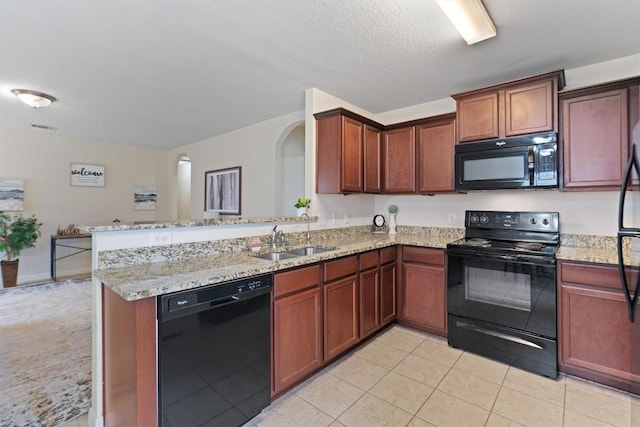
pixel 498 335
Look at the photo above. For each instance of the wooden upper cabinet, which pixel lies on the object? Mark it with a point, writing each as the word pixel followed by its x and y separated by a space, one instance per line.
pixel 340 152
pixel 399 154
pixel 596 125
pixel 372 160
pixel 478 117
pixel 435 146
pixel 520 107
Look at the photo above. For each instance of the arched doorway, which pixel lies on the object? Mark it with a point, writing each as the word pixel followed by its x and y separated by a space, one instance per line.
pixel 183 187
pixel 290 172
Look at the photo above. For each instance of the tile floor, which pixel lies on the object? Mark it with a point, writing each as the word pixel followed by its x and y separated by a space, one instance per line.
pixel 407 378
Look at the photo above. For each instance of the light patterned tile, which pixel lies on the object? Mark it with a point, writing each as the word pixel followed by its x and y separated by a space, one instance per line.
pixel 337 423
pixel 372 411
pixel 359 372
pixel 444 410
pixel 527 410
pixel 598 402
pixel 292 413
pixel 419 422
pixel 537 386
pixel 400 339
pixel 438 352
pixel 482 367
pixel 381 354
pixel 402 392
pixel 470 388
pixel 422 370
pixel 496 420
pixel 574 419
pixel 330 394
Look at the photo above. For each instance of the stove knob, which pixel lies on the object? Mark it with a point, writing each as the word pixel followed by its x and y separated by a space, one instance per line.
pixel 533 221
pixel 545 221
pixel 484 219
pixel 473 218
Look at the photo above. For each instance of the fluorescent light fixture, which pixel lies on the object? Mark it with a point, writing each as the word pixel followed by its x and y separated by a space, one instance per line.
pixel 470 19
pixel 32 98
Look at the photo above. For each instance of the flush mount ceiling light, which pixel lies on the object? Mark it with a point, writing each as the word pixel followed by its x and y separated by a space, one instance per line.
pixel 470 19
pixel 32 98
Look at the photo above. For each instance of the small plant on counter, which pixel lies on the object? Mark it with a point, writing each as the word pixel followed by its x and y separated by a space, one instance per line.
pixel 303 203
pixel 16 234
pixel 393 209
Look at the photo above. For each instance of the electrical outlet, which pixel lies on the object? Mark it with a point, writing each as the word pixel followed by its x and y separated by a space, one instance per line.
pixel 452 218
pixel 347 217
pixel 334 218
pixel 160 238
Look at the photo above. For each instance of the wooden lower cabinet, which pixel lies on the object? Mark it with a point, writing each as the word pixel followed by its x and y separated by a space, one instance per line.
pixel 596 340
pixel 388 285
pixel 424 289
pixel 297 326
pixel 369 301
pixel 340 316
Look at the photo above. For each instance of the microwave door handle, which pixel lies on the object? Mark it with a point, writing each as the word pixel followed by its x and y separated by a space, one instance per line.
pixel 631 300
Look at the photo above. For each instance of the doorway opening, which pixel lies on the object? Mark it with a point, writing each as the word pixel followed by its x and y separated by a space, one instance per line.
pixel 290 174
pixel 183 187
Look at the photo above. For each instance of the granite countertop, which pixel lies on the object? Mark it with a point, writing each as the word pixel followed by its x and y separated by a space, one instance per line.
pixel 149 279
pixel 140 281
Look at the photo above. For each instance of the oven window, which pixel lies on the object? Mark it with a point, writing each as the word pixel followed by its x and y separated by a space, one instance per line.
pixel 495 168
pixel 503 288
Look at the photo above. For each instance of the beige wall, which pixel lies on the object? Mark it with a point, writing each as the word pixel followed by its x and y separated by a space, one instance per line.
pixel 42 161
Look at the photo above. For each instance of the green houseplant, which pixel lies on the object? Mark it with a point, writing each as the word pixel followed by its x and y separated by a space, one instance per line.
pixel 302 206
pixel 17 233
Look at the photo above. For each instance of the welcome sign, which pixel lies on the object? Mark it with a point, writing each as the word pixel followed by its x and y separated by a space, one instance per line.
pixel 87 175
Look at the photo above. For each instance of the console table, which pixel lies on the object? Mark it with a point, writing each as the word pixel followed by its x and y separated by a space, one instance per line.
pixel 66 241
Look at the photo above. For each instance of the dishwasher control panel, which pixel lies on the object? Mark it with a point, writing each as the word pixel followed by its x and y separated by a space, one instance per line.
pixel 213 295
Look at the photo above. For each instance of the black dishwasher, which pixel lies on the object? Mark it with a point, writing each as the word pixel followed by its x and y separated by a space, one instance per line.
pixel 214 354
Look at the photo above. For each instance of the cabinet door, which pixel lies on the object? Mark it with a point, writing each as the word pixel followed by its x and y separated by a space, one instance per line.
pixel 436 157
pixel 387 293
pixel 478 117
pixel 297 337
pixel 352 155
pixel 595 140
pixel 399 150
pixel 340 316
pixel 369 301
pixel 372 160
pixel 424 297
pixel 530 109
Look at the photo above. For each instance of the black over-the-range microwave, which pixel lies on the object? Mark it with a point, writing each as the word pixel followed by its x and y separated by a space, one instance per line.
pixel 520 162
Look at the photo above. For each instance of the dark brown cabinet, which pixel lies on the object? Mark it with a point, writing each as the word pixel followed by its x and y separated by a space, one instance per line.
pixel 369 281
pixel 399 154
pixel 596 126
pixel 297 326
pixel 596 340
pixel 340 305
pixel 435 145
pixel 345 141
pixel 424 289
pixel 388 283
pixel 509 109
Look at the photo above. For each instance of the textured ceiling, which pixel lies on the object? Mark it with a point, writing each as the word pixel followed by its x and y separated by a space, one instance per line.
pixel 168 73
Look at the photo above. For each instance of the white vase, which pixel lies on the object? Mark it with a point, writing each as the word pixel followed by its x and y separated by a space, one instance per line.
pixel 392 223
pixel 300 211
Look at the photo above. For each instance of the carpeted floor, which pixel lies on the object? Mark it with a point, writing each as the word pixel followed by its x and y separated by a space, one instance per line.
pixel 45 353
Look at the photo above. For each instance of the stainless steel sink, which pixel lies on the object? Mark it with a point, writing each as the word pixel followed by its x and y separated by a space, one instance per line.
pixel 276 256
pixel 311 250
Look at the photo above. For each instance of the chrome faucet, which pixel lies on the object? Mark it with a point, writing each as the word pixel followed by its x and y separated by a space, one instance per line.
pixel 308 229
pixel 277 236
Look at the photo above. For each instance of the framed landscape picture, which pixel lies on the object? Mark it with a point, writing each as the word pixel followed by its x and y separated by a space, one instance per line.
pixel 11 194
pixel 144 197
pixel 222 191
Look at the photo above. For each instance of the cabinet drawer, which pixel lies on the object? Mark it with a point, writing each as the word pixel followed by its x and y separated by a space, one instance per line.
pixel 388 255
pixel 295 280
pixel 602 276
pixel 340 268
pixel 369 260
pixel 423 255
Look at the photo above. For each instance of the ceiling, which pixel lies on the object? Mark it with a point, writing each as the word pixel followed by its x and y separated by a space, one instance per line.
pixel 168 73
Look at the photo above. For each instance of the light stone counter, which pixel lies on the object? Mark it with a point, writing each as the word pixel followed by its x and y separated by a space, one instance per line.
pixel 596 249
pixel 138 281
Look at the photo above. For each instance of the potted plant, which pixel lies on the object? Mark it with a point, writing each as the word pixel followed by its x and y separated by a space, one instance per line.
pixel 16 234
pixel 302 205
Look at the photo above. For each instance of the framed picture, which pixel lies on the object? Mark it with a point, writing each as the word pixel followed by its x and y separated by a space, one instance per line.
pixel 87 175
pixel 144 197
pixel 222 191
pixel 11 194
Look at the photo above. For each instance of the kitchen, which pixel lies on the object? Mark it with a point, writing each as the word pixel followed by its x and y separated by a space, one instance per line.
pixel 587 213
